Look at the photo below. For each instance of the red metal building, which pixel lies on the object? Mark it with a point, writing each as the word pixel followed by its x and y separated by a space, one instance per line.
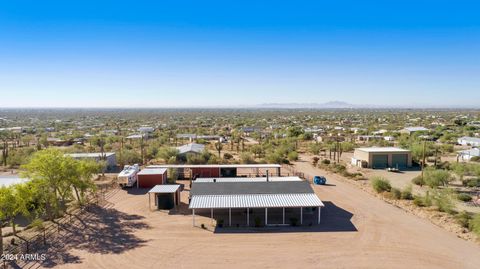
pixel 148 178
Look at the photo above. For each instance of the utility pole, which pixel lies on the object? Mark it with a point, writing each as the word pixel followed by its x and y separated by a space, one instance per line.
pixel 423 162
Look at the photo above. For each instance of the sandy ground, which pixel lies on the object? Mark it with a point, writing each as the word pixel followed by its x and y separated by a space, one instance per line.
pixel 357 231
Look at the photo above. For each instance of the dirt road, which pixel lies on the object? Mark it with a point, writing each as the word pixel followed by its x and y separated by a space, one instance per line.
pixel 357 231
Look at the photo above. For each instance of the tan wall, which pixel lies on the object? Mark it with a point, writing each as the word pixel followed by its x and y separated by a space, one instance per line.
pixel 368 156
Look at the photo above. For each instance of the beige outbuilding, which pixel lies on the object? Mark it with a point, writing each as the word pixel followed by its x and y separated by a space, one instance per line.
pixel 382 157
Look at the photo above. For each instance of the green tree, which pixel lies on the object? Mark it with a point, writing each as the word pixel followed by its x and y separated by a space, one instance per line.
pixel 436 177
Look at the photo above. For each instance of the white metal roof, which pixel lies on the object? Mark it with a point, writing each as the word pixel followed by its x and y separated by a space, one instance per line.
pixel 383 149
pixel 416 129
pixel 215 166
pixel 255 201
pixel 246 179
pixel 167 188
pixel 155 171
pixel 192 147
pixel 470 139
pixel 89 155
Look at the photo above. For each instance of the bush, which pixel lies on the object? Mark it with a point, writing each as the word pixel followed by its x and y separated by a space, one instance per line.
pixel 463 218
pixel 464 197
pixel 380 184
pixel 293 156
pixel 474 224
pixel 418 181
pixel 436 177
pixel 407 193
pixel 443 200
pixel 475 159
pixel 472 183
pixel 326 161
pixel 419 201
pixel 227 156
pixel 396 193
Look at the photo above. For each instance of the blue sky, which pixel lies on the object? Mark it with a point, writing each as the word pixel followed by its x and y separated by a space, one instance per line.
pixel 226 53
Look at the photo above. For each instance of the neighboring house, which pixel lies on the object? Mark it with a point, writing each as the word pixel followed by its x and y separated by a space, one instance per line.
pixel 110 158
pixel 368 138
pixel 58 142
pixel 146 129
pixel 469 141
pixel 191 148
pixel 389 138
pixel 382 157
pixel 326 138
pixel 411 130
pixel 466 155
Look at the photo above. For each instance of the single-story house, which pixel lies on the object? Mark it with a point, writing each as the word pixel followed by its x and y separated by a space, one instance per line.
pixel 256 203
pixel 469 141
pixel 368 138
pixel 466 155
pixel 411 130
pixel 110 158
pixel 191 148
pixel 382 157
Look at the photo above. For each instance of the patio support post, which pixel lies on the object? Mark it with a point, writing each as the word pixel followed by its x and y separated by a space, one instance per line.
pixel 248 217
pixel 284 216
pixel 266 216
pixel 319 211
pixel 301 215
pixel 230 216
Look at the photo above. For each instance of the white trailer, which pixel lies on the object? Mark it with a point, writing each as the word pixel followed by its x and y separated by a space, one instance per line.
pixel 128 176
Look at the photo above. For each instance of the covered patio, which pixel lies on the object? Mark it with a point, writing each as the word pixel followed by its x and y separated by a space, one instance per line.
pixel 256 204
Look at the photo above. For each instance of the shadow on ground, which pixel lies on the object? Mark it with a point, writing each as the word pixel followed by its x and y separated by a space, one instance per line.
pixel 100 230
pixel 333 219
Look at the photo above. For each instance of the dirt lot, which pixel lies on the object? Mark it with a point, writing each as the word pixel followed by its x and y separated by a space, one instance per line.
pixel 357 231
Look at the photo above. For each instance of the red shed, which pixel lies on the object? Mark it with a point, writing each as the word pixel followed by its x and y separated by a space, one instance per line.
pixel 148 178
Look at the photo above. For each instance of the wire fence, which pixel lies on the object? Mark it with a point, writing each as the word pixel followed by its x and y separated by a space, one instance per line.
pixel 42 238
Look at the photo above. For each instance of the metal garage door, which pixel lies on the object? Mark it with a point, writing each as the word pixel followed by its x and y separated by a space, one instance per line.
pixel 380 161
pixel 399 161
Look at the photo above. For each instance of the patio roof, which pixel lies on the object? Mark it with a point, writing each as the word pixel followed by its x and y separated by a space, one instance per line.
pixel 255 201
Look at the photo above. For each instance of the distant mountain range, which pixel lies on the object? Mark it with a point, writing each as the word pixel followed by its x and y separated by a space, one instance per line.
pixel 332 104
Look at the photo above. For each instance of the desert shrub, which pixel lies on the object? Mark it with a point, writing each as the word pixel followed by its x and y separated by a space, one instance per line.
pixel 419 201
pixel 203 226
pixel 292 156
pixel 315 160
pixel 338 168
pixel 475 159
pixel 418 181
pixel 475 182
pixel 464 197
pixel 247 158
pixel 395 193
pixel 381 184
pixel 463 218
pixel 422 201
pixel 436 177
pixel 474 224
pixel 227 156
pixel 443 200
pixel 407 193
pixel 326 161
